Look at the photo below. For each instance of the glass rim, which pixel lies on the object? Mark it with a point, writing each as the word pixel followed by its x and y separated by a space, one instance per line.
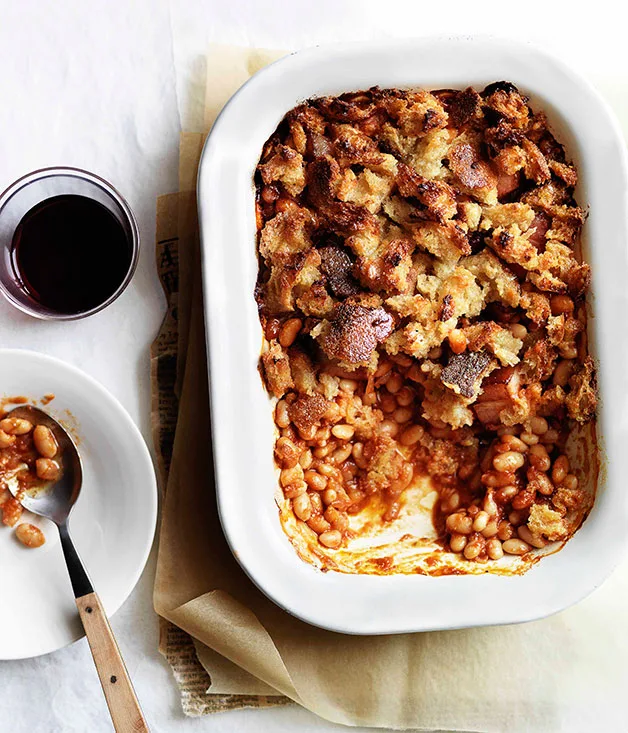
pixel 112 192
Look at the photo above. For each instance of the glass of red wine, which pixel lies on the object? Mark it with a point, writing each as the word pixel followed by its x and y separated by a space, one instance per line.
pixel 69 243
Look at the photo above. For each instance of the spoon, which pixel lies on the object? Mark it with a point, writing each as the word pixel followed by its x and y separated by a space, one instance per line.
pixel 55 500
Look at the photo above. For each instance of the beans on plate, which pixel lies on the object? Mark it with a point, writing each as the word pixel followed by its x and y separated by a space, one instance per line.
pixel 29 457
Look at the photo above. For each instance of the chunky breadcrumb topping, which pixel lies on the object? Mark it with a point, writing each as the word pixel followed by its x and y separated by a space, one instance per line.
pixel 423 300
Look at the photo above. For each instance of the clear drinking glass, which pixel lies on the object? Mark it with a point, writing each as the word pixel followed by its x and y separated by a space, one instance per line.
pixel 31 190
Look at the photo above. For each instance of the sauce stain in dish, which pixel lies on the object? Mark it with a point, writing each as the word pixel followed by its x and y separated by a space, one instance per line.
pixel 70 253
pixel 5 401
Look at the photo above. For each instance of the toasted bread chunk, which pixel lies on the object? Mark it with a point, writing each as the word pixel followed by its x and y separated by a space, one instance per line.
pixel 497 339
pixel 498 282
pixel 464 372
pixel 353 332
pixel 287 167
pixel 581 401
pixel 287 233
pixel 277 370
pixel 304 374
pixel 546 522
pixel 416 113
pixel 307 410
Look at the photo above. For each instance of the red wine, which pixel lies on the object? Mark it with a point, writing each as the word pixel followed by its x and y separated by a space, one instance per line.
pixel 70 253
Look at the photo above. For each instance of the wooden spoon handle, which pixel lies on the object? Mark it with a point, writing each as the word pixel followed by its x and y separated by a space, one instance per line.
pixel 121 699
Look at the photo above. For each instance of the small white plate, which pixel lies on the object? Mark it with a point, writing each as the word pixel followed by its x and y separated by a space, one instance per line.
pixel 112 524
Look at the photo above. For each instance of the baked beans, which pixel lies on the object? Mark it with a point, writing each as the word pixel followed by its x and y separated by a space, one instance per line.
pixel 391 363
pixel 29 455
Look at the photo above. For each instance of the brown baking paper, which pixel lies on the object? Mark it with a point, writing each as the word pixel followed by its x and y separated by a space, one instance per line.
pixel 530 677
pixel 228 686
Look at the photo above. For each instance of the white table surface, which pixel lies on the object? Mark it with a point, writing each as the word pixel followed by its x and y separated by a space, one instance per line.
pixel 99 84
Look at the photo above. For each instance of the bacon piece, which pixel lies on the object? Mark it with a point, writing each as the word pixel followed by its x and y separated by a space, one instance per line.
pixel 540 225
pixel 507 183
pixel 336 265
pixel 498 392
pixel 468 167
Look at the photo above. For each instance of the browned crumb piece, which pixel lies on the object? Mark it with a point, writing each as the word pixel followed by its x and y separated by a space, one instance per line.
pixel 287 167
pixel 441 404
pixel 465 107
pixel 464 372
pixel 353 332
pixel 388 268
pixel 363 418
pixel 277 370
pixel 437 200
pixel 565 172
pixel 552 401
pixel 286 233
pixel 445 241
pixel 416 113
pixel 536 167
pixel 315 300
pixel 498 281
pixel 582 398
pixel 307 410
pixel 384 464
pixel 546 522
pixel 539 361
pixel 570 500
pixel 536 306
pixel 512 247
pixel 303 371
pixel 353 147
pixel 497 339
pixel 505 100
pixel 292 277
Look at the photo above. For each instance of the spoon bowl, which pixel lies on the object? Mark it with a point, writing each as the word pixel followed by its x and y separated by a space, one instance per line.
pixel 52 499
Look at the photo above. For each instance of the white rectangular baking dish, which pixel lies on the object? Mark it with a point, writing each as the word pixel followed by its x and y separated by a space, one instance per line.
pixel 241 414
